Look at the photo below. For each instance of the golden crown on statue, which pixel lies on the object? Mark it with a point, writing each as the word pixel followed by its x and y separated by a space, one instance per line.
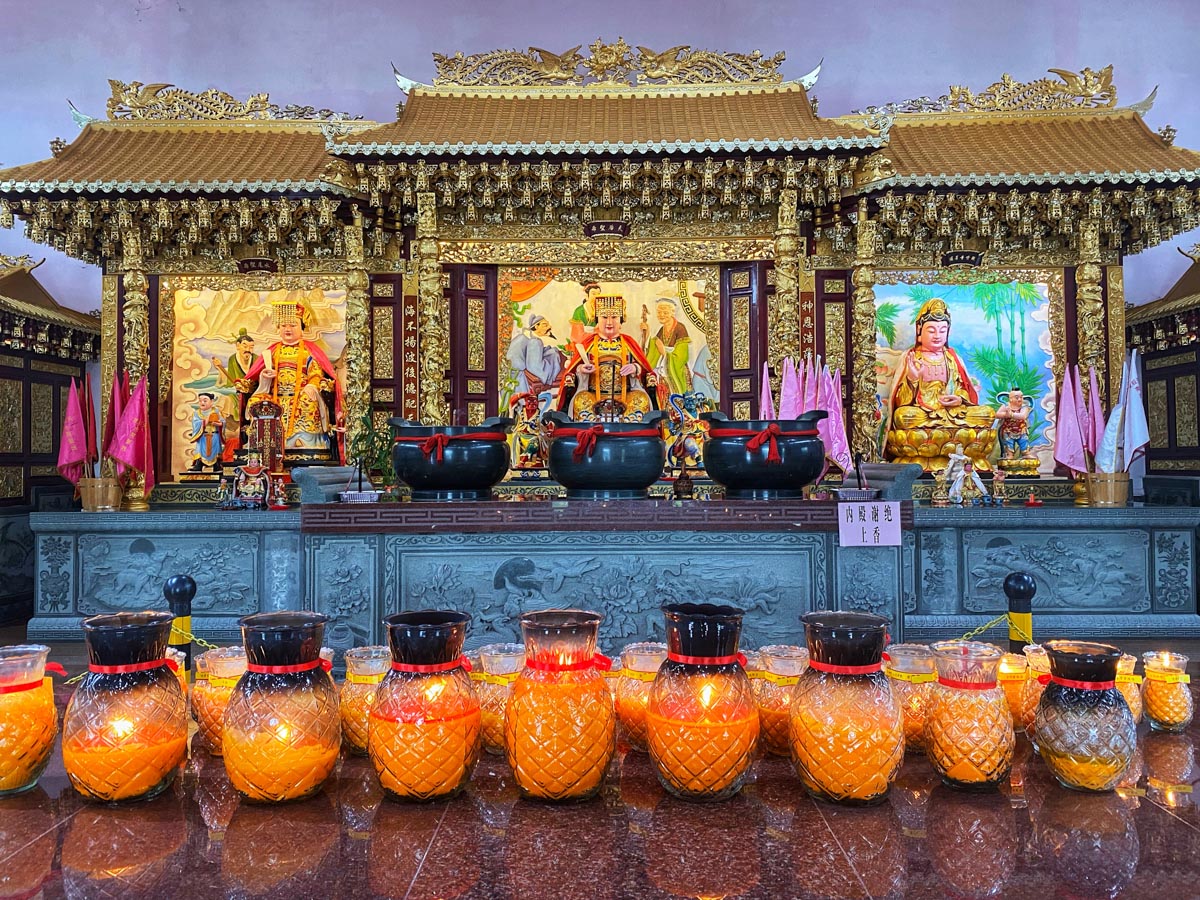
pixel 286 311
pixel 610 305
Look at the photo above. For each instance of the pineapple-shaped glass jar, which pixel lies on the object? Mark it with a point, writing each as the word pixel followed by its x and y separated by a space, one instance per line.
pixel 365 668
pixel 969 734
pixel 28 720
pixel 1166 697
pixel 224 667
pixel 560 726
pixel 1130 685
pixel 1031 692
pixel 125 731
pixel 1012 674
pixel 499 666
pixel 425 724
pixel 774 680
pixel 640 663
pixel 846 730
pixel 282 732
pixel 909 668
pixel 1085 730
pixel 702 718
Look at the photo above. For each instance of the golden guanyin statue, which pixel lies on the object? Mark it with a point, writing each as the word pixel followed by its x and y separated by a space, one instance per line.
pixel 935 405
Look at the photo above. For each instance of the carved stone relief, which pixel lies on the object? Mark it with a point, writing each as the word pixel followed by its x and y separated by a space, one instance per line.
pixel 1081 571
pixel 868 579
pixel 117 572
pixel 340 580
pixel 937 564
pixel 1174 565
pixel 498 577
pixel 56 573
pixel 16 557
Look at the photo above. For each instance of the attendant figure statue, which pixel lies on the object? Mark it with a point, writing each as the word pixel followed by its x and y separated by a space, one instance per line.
pixel 297 375
pixel 608 378
pixel 935 405
pixel 668 351
pixel 535 361
pixel 208 429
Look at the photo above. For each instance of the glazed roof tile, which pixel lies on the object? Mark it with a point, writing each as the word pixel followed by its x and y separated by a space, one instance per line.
pixel 153 157
pixel 1183 296
pixel 448 121
pixel 1030 149
pixel 23 295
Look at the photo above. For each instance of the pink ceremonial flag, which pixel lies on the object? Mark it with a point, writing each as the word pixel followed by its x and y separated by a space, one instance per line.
pixel 789 391
pixel 116 405
pixel 766 406
pixel 839 441
pixel 812 384
pixel 1068 433
pixel 1094 429
pixel 131 446
pixel 1085 422
pixel 72 449
pixel 1136 430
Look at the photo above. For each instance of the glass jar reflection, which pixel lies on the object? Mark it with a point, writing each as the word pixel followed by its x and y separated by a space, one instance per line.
pixel 365 669
pixel 28 719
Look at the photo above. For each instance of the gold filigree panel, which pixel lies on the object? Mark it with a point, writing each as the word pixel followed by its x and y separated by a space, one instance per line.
pixel 476 386
pixel 1174 465
pixel 12 411
pixel 476 413
pixel 476 334
pixel 41 425
pixel 1185 412
pixel 1156 413
pixel 835 336
pixel 1116 327
pixel 740 322
pixel 741 410
pixel 741 385
pixel 385 395
pixel 739 281
pixel 41 365
pixel 835 285
pixel 476 281
pixel 12 482
pixel 383 289
pixel 1173 359
pixel 579 253
pixel 15 361
pixel 42 471
pixel 383 321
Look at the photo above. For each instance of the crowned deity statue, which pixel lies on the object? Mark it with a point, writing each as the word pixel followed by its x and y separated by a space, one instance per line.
pixel 297 376
pixel 935 404
pixel 608 378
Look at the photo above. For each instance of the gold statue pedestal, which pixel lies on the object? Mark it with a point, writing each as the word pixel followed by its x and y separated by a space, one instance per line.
pixel 930 448
pixel 1021 468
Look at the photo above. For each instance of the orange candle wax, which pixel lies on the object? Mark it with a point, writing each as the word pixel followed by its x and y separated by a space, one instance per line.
pixel 124 760
pixel 560 733
pixel 1012 675
pixel 1130 685
pixel 277 765
pixel 28 724
pixel 1089 772
pixel 702 740
pixel 209 699
pixel 846 749
pixel 970 738
pixel 774 726
pixel 425 744
pixel 774 674
pixel 493 691
pixel 1166 696
pixel 354 706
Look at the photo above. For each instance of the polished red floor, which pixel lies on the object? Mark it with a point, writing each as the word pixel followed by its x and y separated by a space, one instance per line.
pixel 1034 839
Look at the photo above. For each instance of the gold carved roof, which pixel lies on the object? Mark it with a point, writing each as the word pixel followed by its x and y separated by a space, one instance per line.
pixel 1183 296
pixel 187 157
pixel 21 294
pixel 647 119
pixel 1034 149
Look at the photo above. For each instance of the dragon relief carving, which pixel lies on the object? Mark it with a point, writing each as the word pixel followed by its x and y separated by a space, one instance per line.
pixel 1086 89
pixel 136 100
pixel 610 64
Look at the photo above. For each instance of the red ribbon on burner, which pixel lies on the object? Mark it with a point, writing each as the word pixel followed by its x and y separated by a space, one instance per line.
pixel 599 661
pixel 461 663
pixel 585 438
pixel 739 658
pixel 757 438
pixel 435 445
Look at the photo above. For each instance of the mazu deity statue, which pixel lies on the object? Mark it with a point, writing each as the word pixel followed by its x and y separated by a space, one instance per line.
pixel 608 378
pixel 934 403
pixel 297 375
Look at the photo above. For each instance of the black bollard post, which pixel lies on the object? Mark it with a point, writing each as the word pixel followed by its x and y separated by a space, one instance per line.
pixel 179 591
pixel 1019 587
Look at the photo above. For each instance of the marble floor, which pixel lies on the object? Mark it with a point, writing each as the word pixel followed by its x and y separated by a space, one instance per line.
pixel 1033 839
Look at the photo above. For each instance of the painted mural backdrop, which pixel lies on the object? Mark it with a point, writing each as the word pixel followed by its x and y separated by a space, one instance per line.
pixel 218 334
pixel 1001 332
pixel 541 320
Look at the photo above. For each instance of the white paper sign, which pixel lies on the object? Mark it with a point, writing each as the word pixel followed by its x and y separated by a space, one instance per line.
pixel 874 523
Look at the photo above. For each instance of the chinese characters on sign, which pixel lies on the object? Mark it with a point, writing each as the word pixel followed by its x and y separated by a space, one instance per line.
pixel 408 355
pixel 872 524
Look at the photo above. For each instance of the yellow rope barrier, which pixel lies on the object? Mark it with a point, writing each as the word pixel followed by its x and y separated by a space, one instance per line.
pixel 191 637
pixel 1012 623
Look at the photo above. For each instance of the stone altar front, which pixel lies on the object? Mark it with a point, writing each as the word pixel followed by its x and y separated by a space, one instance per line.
pixel 1101 573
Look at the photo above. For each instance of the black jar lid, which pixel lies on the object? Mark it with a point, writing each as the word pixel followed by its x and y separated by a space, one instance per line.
pixel 703 629
pixel 1082 661
pixel 849 638
pixel 119 639
pixel 426 637
pixel 283 638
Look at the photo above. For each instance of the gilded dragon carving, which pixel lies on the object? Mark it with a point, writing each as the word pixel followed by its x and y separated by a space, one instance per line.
pixel 683 65
pixel 136 100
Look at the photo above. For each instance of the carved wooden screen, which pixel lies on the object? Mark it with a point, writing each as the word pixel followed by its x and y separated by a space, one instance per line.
pixel 474 389
pixel 1172 392
pixel 743 336
pixel 387 349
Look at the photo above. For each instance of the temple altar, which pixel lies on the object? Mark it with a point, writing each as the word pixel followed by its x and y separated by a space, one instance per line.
pixel 1111 574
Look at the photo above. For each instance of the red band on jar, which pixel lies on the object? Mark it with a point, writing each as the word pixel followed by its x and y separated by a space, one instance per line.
pixel 284 670
pixel 599 661
pixel 461 663
pixel 130 667
pixel 1084 685
pixel 739 658
pixel 844 670
pixel 18 688
pixel 967 685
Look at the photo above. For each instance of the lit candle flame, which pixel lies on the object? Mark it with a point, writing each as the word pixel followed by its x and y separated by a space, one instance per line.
pixel 283 732
pixel 121 728
pixel 433 690
pixel 706 695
